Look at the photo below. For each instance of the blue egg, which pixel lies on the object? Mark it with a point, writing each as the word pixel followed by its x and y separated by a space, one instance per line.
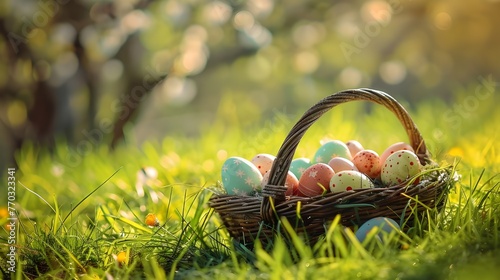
pixel 331 149
pixel 380 224
pixel 240 177
pixel 299 165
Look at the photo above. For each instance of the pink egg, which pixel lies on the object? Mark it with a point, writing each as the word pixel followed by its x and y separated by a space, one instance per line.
pixel 354 147
pixel 315 180
pixel 394 148
pixel 263 162
pixel 368 162
pixel 341 164
pixel 292 183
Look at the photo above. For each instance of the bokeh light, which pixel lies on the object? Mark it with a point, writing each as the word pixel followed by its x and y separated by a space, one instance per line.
pixel 309 34
pixel 377 10
pixel 260 8
pixel 392 72
pixel 217 12
pixel 306 62
pixel 351 77
pixel 112 69
pixel 244 20
pixel 16 113
pixel 65 67
pixel 442 21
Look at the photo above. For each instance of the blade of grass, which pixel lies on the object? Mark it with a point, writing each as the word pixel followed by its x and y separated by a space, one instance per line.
pixel 135 225
pixel 71 256
pixel 39 196
pixel 87 196
pixel 108 217
pixel 57 215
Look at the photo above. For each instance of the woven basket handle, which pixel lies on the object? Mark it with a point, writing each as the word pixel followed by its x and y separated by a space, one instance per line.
pixel 275 190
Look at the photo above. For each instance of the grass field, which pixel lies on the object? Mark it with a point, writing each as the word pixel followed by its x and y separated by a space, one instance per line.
pixel 82 212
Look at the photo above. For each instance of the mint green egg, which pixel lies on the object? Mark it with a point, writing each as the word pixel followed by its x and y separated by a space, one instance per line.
pixel 331 149
pixel 240 177
pixel 298 165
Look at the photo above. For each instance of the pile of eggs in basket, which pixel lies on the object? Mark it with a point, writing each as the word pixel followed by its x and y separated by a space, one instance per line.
pixel 335 167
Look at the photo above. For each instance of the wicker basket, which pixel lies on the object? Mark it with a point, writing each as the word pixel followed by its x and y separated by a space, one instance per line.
pixel 248 218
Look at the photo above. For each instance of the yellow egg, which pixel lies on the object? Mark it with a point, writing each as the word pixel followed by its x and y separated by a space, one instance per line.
pixel 399 167
pixel 348 181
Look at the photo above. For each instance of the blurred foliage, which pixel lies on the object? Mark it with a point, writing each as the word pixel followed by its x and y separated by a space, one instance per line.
pixel 89 70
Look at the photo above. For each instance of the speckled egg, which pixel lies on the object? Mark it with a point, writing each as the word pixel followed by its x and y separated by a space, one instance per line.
pixel 341 164
pixel 292 183
pixel 299 165
pixel 380 226
pixel 367 162
pixel 315 180
pixel 348 181
pixel 354 147
pixel 394 148
pixel 240 177
pixel 331 149
pixel 263 162
pixel 399 166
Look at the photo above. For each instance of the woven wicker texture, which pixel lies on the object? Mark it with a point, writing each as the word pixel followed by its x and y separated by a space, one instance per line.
pixel 256 217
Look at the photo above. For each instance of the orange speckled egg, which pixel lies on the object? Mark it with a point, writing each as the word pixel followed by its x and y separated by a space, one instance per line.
pixel 367 162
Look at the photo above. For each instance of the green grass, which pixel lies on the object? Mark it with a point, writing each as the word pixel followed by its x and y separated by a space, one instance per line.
pixel 75 220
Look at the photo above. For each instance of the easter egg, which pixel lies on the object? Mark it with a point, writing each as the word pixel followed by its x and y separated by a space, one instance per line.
pixel 240 176
pixel 263 162
pixel 341 164
pixel 292 183
pixel 354 147
pixel 367 162
pixel 331 149
pixel 315 180
pixel 349 180
pixel 399 166
pixel 299 165
pixel 380 226
pixel 394 148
